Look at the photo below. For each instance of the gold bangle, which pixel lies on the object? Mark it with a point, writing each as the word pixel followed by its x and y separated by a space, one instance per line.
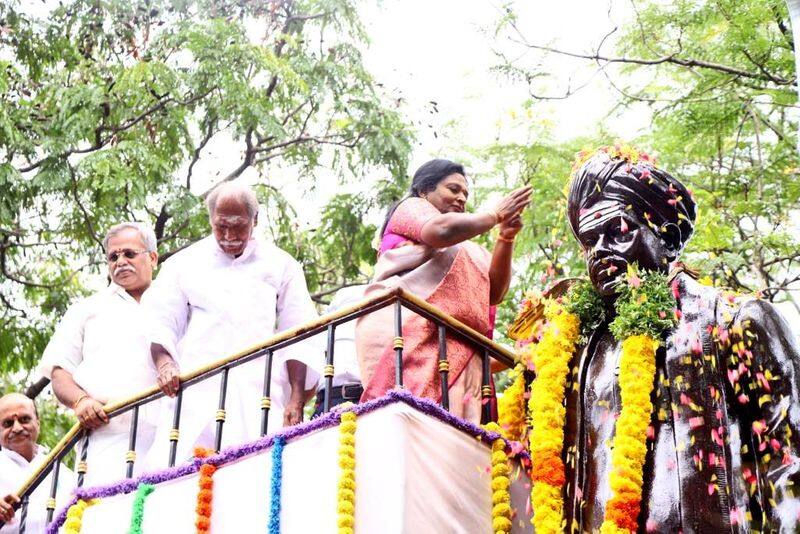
pixel 75 404
pixel 507 240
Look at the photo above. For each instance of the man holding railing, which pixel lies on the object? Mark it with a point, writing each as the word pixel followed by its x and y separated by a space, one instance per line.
pixel 216 298
pixel 19 458
pixel 100 352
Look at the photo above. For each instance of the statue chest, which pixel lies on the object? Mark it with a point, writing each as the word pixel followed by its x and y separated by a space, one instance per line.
pixel 689 453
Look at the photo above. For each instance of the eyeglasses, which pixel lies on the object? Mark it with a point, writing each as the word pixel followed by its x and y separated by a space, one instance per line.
pixel 127 252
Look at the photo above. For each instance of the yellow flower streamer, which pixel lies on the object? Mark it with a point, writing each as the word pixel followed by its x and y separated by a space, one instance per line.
pixel 637 369
pixel 511 407
pixel 346 494
pixel 74 520
pixel 551 356
pixel 501 498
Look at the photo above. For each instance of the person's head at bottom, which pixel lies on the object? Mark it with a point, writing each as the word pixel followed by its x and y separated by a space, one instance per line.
pixel 19 431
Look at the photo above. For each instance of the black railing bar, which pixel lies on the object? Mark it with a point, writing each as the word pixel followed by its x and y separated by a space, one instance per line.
pixel 55 469
pixel 499 356
pixel 329 369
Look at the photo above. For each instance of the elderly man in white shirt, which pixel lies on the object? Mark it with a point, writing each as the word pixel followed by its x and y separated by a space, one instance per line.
pixel 20 456
pixel 218 297
pixel 100 353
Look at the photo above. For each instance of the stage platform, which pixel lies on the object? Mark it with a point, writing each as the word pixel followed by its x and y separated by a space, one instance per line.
pixel 418 470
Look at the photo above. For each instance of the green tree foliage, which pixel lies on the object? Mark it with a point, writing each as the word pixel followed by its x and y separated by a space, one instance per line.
pixel 107 109
pixel 718 78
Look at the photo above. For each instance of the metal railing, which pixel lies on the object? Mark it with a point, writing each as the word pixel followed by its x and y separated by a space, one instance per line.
pixel 327 324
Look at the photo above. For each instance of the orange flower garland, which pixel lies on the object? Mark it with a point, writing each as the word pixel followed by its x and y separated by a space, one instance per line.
pixel 641 316
pixel 637 369
pixel 205 495
pixel 551 356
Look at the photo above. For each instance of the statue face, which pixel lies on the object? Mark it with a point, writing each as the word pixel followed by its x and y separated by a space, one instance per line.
pixel 611 238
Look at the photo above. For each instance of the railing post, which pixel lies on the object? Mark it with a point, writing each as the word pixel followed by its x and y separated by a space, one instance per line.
pixel 329 369
pixel 51 502
pixel 266 402
pixel 23 515
pixel 83 466
pixel 444 367
pixel 130 456
pixel 175 433
pixel 486 390
pixel 220 417
pixel 398 343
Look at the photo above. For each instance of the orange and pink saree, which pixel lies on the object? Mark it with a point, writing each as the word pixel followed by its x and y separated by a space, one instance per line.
pixel 454 279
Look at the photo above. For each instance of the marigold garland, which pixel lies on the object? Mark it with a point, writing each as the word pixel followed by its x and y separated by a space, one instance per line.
pixel 637 369
pixel 501 498
pixel 551 356
pixel 511 406
pixel 74 520
pixel 346 493
pixel 205 495
pixel 137 514
pixel 643 314
pixel 275 486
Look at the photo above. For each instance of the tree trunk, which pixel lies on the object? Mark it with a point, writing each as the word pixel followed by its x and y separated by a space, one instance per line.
pixel 794 16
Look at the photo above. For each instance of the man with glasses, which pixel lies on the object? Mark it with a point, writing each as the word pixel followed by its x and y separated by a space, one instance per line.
pixel 100 353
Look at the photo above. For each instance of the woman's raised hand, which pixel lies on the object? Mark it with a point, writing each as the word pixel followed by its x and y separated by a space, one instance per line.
pixel 513 203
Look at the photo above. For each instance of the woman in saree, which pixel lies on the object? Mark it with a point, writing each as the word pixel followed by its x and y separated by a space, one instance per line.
pixel 426 250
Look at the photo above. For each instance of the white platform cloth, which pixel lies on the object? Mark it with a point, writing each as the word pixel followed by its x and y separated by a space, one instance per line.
pixel 414 474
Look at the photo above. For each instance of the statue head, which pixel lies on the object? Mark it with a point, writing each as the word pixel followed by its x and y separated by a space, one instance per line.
pixel 624 210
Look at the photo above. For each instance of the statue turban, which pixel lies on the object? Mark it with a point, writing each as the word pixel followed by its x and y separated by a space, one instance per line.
pixel 621 176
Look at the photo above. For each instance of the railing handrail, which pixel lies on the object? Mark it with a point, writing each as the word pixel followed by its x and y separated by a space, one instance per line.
pixel 311 328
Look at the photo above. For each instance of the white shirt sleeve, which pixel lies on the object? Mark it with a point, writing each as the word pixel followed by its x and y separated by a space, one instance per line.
pixel 166 309
pixel 294 308
pixel 65 348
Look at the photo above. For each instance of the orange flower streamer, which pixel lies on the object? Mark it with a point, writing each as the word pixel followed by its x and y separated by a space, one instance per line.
pixel 637 369
pixel 551 356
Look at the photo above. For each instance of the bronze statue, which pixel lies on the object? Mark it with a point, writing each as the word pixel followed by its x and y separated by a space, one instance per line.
pixel 723 446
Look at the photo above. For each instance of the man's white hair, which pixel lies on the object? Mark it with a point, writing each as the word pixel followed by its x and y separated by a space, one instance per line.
pixel 147 233
pixel 241 192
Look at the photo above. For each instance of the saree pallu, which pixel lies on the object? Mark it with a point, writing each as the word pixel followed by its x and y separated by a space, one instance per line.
pixel 455 280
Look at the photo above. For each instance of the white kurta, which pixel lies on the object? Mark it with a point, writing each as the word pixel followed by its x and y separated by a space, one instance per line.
pixel 102 341
pixel 206 305
pixel 14 471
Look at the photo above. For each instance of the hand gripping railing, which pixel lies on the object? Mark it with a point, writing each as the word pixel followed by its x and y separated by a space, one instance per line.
pixel 327 323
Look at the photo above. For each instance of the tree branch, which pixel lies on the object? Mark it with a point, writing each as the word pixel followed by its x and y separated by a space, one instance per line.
pixel 671 59
pixel 98 144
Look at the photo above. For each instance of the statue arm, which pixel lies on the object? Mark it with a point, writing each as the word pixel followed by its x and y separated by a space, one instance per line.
pixel 771 378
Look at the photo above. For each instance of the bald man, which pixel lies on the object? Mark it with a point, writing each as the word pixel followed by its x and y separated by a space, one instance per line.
pixel 19 458
pixel 220 296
